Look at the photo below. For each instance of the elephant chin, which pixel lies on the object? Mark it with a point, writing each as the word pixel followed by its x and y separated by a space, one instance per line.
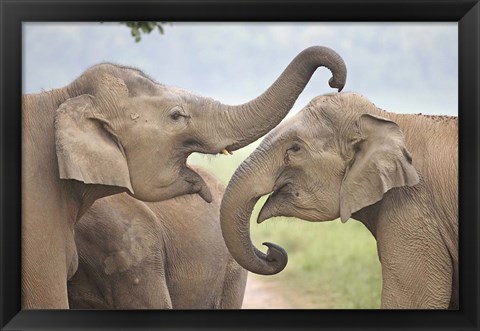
pixel 279 204
pixel 187 182
pixel 197 184
pixel 202 189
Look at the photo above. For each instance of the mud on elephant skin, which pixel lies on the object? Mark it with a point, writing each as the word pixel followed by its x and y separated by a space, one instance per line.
pixel 341 156
pixel 116 130
pixel 155 255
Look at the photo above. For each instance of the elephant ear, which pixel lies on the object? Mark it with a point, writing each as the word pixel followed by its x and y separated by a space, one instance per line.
pixel 87 150
pixel 381 162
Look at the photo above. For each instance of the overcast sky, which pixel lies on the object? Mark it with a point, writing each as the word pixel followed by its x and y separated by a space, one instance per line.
pixel 401 67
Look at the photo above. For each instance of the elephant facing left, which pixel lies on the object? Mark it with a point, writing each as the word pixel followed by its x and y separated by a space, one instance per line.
pixel 155 255
pixel 343 157
pixel 115 130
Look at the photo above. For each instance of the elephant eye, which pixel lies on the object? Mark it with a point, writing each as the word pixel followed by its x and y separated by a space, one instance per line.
pixel 175 115
pixel 295 147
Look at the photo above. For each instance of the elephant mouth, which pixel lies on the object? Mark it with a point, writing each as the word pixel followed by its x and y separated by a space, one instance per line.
pixel 226 152
pixel 286 201
pixel 192 145
pixel 272 207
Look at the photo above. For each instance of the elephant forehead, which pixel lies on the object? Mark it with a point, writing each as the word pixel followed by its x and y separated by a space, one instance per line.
pixel 110 83
pixel 316 132
pixel 302 128
pixel 185 98
pixel 283 132
pixel 181 94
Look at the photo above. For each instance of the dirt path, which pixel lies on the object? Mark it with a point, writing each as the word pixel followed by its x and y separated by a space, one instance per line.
pixel 264 294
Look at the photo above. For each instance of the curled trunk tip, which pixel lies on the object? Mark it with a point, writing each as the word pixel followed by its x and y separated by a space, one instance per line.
pixel 267 110
pixel 235 212
pixel 277 255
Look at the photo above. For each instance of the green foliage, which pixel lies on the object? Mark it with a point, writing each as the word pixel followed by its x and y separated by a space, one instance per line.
pixel 331 265
pixel 137 28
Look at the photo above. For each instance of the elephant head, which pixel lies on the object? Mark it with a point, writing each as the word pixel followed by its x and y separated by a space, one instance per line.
pixel 120 128
pixel 338 155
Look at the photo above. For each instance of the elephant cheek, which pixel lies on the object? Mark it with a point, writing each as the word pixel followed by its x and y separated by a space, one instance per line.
pixel 150 192
pixel 317 213
pixel 181 186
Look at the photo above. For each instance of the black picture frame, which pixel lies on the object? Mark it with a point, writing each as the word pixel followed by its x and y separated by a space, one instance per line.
pixel 14 12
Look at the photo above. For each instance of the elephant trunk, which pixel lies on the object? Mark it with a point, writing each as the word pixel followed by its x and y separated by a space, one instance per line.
pixel 253 178
pixel 245 123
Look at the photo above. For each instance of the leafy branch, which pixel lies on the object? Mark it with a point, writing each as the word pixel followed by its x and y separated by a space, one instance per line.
pixel 137 28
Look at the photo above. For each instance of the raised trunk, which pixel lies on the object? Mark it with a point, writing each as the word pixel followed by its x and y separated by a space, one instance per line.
pixel 254 177
pixel 245 123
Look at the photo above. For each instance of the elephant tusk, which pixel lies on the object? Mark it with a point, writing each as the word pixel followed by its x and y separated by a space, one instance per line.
pixel 225 152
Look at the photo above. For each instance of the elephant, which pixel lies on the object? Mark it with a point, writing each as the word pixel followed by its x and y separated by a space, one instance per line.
pixel 115 130
pixel 341 157
pixel 155 255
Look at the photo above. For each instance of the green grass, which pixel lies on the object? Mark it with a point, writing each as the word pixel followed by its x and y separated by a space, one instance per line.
pixel 331 265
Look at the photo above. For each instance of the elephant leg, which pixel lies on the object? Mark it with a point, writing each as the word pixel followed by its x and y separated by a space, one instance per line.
pixel 418 291
pixel 87 291
pixel 233 287
pixel 140 289
pixel 45 267
pixel 417 268
pixel 141 286
pixel 415 280
pixel 49 293
pixel 131 289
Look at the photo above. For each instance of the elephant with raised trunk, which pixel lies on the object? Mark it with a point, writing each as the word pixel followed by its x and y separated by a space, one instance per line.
pixel 116 130
pixel 341 156
pixel 155 255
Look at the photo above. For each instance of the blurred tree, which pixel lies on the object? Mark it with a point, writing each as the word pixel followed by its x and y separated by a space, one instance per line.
pixel 137 28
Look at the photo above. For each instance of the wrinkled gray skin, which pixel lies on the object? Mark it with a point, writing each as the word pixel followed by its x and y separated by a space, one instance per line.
pixel 115 130
pixel 154 255
pixel 343 157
